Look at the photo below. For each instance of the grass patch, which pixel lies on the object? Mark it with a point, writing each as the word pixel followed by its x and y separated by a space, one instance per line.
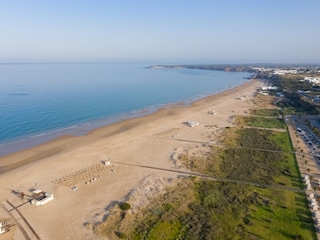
pixel 163 217
pixel 264 122
pixel 274 165
pixel 257 138
pixel 281 215
pixel 281 140
pixel 266 112
pixel 165 230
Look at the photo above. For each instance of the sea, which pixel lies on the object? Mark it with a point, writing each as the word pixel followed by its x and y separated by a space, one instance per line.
pixel 39 102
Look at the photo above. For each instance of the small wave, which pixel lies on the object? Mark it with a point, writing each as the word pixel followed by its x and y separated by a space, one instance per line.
pixel 52 131
pixel 48 133
pixel 63 129
pixel 38 135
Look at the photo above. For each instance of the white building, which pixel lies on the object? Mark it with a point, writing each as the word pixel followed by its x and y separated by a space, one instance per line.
pixel 315 80
pixel 41 198
pixel 265 88
pixel 283 71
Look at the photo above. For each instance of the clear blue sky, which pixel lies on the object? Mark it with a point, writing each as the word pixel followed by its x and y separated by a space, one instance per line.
pixel 166 31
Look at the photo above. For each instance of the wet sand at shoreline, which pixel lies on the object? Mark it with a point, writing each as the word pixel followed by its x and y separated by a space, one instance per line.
pixel 60 164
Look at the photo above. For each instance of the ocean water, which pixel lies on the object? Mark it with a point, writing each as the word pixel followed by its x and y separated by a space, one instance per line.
pixel 41 101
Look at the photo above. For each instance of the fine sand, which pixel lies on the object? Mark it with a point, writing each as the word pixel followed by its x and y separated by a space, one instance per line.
pixel 70 161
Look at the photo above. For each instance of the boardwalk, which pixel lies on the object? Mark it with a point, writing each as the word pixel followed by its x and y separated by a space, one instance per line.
pixel 23 231
pixel 25 220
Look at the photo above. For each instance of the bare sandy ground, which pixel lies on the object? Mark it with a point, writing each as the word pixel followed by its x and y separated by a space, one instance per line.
pixel 69 161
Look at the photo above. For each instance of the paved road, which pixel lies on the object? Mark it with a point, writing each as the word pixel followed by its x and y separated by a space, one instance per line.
pixel 292 125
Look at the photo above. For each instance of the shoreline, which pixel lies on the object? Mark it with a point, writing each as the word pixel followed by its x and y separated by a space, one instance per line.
pixel 49 120
pixel 86 128
pixel 151 140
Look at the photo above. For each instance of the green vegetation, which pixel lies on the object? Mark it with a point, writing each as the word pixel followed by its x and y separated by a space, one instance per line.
pixel 223 210
pixel 205 209
pixel 164 217
pixel 293 84
pixel 281 215
pixel 266 112
pixel 165 230
pixel 264 122
pixel 250 163
pixel 125 206
pixel 295 105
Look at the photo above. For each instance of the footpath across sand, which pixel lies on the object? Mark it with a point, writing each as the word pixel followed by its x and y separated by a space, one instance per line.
pixel 69 161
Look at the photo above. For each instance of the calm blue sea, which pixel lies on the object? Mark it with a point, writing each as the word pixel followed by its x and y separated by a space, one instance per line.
pixel 41 100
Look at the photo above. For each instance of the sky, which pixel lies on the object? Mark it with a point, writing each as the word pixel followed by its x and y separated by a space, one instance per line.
pixel 166 31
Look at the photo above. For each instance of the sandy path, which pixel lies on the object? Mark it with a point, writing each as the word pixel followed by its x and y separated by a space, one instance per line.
pixel 149 140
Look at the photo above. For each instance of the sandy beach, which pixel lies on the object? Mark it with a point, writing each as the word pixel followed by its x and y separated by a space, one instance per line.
pixel 131 146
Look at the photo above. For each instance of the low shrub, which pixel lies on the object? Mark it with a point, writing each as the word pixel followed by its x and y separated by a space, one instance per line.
pixel 125 206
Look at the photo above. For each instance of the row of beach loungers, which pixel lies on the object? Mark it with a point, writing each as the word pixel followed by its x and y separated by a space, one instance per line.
pixel 85 175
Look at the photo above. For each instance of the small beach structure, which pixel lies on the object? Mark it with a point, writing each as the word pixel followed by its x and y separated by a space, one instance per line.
pixel 212 112
pixel 40 197
pixel 242 97
pixel 192 123
pixel 107 162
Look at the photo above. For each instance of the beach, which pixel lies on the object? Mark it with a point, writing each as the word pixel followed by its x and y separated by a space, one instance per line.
pixel 89 174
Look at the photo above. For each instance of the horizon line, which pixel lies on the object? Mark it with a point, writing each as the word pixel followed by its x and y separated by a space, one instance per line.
pixel 102 62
